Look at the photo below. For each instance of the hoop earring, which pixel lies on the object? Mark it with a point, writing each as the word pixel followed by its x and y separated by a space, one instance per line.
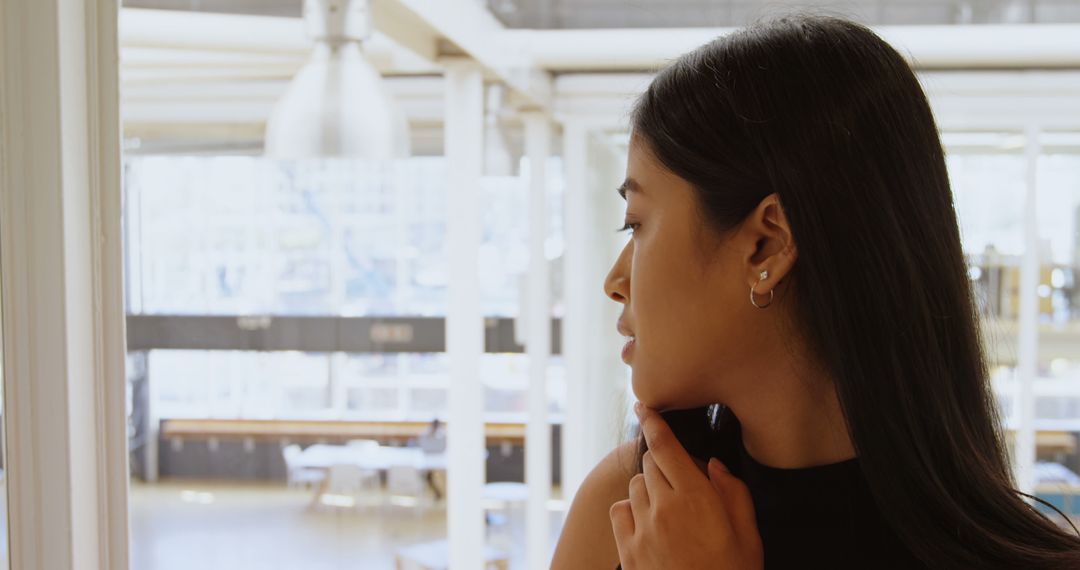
pixel 764 275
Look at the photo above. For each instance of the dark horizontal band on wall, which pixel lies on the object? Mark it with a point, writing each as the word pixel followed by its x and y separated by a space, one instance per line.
pixel 314 334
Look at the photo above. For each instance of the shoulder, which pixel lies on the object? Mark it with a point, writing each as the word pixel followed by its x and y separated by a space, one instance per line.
pixel 586 540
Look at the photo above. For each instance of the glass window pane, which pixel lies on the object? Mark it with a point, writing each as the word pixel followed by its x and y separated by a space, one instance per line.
pixel 213 431
pixel 1058 215
pixel 243 235
pixel 988 190
pixel 990 193
pixel 1057 385
pixel 989 186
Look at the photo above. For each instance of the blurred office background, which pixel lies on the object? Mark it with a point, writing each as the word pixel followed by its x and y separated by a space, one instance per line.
pixel 321 296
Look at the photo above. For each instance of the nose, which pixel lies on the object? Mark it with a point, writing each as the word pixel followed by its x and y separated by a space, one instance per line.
pixel 617 283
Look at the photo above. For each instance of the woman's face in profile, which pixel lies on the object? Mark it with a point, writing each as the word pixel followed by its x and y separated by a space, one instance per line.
pixel 682 290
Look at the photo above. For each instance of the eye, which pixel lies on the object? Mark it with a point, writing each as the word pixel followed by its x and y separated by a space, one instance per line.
pixel 629 226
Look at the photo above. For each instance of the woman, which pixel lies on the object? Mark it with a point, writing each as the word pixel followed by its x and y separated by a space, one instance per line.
pixel 795 257
pixel 433 441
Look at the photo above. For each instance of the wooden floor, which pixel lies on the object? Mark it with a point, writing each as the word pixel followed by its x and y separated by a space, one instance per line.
pixel 177 525
pixel 180 525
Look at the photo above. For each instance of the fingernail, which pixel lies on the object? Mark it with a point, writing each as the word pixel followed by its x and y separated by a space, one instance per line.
pixel 715 463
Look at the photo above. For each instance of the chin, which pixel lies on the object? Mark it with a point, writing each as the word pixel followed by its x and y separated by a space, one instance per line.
pixel 648 397
pixel 662 402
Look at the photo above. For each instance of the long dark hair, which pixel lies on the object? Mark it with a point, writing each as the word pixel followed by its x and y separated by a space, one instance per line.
pixel 823 112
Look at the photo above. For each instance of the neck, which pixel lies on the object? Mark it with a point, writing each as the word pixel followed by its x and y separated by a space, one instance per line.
pixel 792 421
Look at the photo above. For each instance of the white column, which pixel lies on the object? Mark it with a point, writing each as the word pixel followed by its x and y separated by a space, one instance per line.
pixel 595 374
pixel 60 260
pixel 578 296
pixel 464 323
pixel 1027 355
pixel 606 389
pixel 538 347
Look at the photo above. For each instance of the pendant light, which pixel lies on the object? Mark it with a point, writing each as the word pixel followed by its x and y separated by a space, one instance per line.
pixel 337 105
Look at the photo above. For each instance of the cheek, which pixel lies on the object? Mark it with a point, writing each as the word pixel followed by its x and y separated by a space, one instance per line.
pixel 675 369
pixel 681 331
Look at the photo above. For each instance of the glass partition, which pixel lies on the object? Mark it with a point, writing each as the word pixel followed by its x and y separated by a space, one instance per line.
pixel 287 373
pixel 1057 385
pixel 990 175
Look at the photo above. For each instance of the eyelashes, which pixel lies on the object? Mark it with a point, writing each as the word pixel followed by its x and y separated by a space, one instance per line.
pixel 632 227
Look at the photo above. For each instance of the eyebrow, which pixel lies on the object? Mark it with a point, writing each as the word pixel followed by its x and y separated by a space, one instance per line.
pixel 629 185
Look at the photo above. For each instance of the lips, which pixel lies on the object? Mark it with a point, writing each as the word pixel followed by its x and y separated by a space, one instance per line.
pixel 628 350
pixel 631 340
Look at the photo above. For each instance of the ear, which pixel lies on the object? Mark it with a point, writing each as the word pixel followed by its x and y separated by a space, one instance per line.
pixel 767 244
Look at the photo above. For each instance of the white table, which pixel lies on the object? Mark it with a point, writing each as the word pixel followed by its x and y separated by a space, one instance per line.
pixel 322 456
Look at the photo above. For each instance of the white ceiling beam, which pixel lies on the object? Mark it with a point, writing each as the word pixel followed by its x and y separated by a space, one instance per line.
pixel 168 38
pixel 470 27
pixel 212 32
pixel 408 33
pixel 393 21
pixel 147 63
pixel 987 46
pixel 1026 83
pixel 972 100
pixel 250 102
pixel 167 58
pixel 978 100
pixel 927 47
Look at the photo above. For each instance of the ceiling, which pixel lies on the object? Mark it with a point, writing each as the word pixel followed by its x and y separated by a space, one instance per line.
pixel 192 81
pixel 735 13
pixel 564 14
pixel 289 8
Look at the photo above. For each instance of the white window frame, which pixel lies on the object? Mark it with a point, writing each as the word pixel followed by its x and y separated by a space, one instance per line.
pixel 60 260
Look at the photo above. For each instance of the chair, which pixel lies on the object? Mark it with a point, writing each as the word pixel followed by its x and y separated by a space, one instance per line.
pixel 405 480
pixel 346 480
pixel 435 555
pixel 298 476
pixel 367 448
pixel 409 482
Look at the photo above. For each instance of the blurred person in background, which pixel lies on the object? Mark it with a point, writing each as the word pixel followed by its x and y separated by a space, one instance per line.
pixel 433 441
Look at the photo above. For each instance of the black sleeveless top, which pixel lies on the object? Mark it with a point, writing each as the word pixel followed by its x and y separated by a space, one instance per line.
pixel 813 517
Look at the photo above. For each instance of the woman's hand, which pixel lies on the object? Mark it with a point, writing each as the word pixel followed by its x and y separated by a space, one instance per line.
pixel 676 517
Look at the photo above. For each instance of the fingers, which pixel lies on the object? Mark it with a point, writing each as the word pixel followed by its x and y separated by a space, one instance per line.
pixel 639 497
pixel 737 501
pixel 654 478
pixel 626 515
pixel 670 456
pixel 622 526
